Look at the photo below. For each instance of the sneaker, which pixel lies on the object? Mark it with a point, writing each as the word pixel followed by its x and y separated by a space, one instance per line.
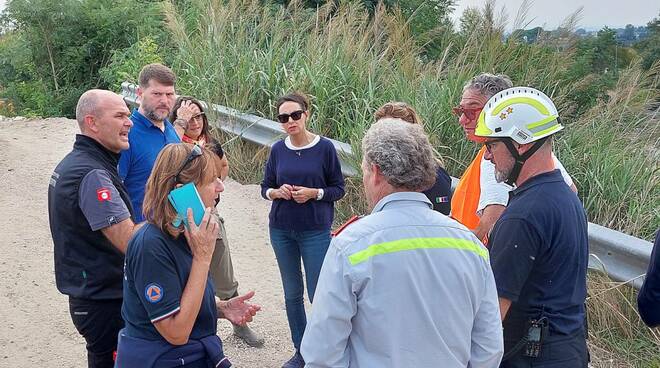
pixel 246 334
pixel 296 361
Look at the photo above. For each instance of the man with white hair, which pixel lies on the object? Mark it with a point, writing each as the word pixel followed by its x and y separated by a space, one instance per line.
pixel 404 286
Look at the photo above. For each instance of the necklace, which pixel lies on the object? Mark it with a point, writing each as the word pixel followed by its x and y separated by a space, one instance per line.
pixel 309 137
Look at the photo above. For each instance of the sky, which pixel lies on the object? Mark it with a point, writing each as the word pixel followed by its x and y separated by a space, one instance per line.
pixel 595 15
pixel 550 13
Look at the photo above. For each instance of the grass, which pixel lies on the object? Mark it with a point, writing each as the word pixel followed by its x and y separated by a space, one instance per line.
pixel 617 336
pixel 244 54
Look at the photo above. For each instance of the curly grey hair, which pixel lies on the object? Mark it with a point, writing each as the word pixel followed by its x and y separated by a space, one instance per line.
pixel 402 152
pixel 488 84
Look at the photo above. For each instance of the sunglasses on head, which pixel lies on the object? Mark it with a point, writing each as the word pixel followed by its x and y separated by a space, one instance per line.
pixel 469 113
pixel 284 118
pixel 196 152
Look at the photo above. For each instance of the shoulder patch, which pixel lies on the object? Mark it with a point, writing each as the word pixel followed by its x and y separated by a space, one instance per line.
pixel 153 292
pixel 103 194
pixel 345 224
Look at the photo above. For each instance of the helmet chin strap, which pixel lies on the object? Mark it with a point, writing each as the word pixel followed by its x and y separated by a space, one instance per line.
pixel 520 159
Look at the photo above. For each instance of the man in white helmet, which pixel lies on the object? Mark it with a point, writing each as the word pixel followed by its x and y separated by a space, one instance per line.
pixel 539 246
pixel 478 200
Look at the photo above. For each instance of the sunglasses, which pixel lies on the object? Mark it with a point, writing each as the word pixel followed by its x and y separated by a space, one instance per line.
pixel 469 113
pixel 284 118
pixel 198 116
pixel 196 152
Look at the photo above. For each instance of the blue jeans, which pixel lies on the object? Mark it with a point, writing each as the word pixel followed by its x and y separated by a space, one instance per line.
pixel 290 246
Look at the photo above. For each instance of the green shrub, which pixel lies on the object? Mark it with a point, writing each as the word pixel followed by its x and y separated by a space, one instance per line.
pixel 125 64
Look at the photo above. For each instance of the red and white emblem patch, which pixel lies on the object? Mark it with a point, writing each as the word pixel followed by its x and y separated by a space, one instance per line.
pixel 103 194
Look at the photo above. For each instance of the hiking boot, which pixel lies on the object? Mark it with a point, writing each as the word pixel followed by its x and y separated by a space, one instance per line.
pixel 296 361
pixel 246 334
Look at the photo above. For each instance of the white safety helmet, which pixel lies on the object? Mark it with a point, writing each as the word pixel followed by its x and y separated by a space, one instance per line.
pixel 521 113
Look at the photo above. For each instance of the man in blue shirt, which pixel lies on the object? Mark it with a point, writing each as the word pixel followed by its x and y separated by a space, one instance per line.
pixel 150 133
pixel 539 246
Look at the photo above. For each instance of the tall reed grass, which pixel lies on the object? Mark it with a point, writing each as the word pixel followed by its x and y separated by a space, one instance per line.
pixel 245 53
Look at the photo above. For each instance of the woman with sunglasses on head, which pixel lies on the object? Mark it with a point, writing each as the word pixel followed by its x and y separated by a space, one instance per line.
pixel 440 193
pixel 303 179
pixel 192 126
pixel 169 305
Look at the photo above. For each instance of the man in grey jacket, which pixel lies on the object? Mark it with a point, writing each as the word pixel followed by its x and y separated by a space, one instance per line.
pixel 404 286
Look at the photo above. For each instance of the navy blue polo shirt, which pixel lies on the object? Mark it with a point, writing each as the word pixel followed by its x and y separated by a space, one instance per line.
pixel 135 164
pixel 156 272
pixel 539 254
pixel 440 193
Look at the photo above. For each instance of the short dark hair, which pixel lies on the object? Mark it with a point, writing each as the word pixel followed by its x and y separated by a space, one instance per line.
pixel 297 97
pixel 158 72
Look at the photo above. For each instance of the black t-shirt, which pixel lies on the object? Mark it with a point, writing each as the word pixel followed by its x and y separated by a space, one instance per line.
pixel 539 254
pixel 440 193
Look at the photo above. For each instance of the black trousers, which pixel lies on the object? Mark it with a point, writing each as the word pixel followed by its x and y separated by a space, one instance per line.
pixel 99 322
pixel 557 351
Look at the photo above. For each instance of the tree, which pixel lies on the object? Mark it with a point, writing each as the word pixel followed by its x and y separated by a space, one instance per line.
pixel 629 34
pixel 649 48
pixel 69 41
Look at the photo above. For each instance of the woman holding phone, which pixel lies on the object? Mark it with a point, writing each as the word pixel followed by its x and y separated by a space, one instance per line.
pixel 192 126
pixel 303 179
pixel 169 306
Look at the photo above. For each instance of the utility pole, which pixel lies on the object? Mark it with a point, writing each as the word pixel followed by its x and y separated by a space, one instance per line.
pixel 616 58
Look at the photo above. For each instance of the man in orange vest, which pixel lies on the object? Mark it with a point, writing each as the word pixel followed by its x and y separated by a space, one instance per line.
pixel 479 200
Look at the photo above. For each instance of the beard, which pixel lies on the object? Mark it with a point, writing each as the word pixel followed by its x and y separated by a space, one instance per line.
pixel 155 116
pixel 502 174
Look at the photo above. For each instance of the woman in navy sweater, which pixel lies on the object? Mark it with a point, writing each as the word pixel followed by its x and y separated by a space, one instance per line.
pixel 303 179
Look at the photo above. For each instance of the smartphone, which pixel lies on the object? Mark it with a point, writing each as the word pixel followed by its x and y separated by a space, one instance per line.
pixel 185 197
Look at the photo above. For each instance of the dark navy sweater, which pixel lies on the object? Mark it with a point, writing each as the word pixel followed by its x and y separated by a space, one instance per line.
pixel 312 167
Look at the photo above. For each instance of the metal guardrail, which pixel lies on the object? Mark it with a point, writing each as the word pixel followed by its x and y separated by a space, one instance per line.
pixel 623 257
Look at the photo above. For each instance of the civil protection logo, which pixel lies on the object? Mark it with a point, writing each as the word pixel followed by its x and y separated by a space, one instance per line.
pixel 153 293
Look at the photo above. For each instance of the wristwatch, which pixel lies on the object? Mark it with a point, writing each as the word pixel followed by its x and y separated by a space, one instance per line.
pixel 319 195
pixel 181 122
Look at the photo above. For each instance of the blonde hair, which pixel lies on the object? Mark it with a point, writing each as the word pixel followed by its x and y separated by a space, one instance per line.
pixel 201 171
pixel 399 110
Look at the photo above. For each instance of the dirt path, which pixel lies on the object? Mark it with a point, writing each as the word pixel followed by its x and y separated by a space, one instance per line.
pixel 36 327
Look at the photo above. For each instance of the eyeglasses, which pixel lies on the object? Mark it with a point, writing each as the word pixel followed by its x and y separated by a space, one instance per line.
pixel 491 144
pixel 469 113
pixel 284 118
pixel 196 152
pixel 198 116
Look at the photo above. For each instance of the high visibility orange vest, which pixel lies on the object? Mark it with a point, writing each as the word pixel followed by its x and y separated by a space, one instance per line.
pixel 465 200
